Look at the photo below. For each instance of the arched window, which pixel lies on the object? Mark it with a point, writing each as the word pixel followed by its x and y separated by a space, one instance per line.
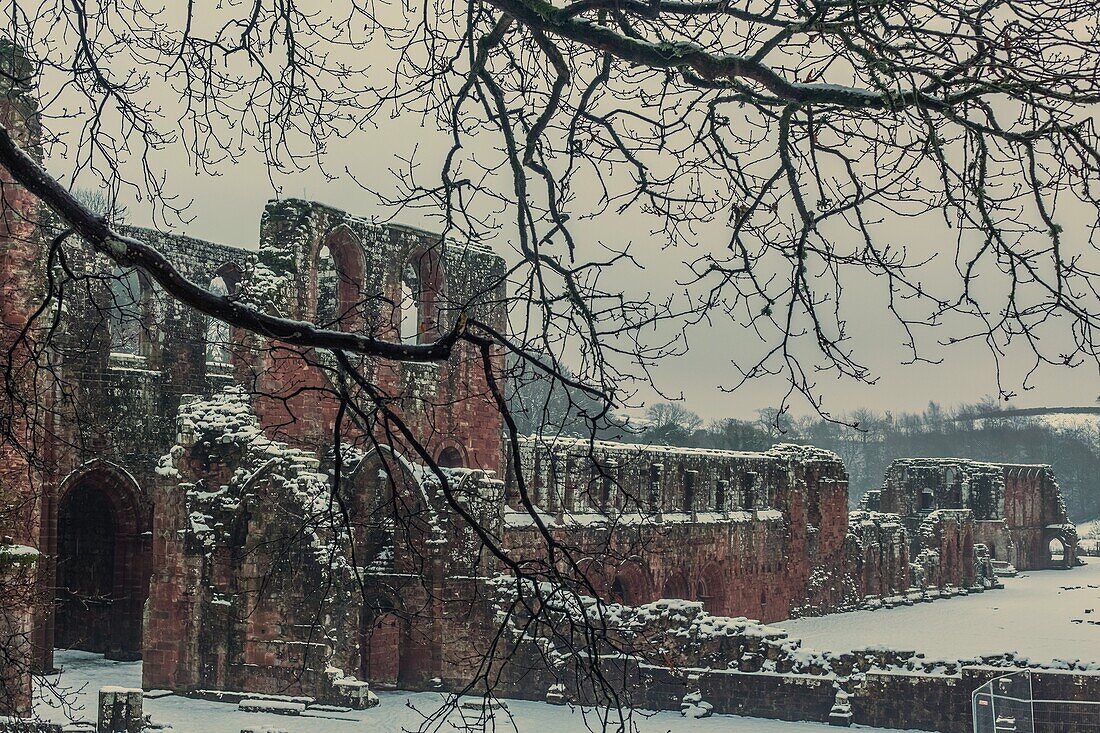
pixel 338 298
pixel 418 299
pixel 218 333
pixel 689 490
pixel 451 457
pixel 131 314
pixel 748 490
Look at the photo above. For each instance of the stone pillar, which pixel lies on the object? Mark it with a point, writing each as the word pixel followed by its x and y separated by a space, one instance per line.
pixel 120 710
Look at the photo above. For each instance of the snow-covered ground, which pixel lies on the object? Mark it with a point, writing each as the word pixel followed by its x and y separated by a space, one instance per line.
pixel 83 674
pixel 1043 615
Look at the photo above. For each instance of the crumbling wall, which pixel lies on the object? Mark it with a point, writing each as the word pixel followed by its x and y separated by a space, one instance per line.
pixel 878 554
pixel 757 534
pixel 1017 510
pixel 447 404
pixel 265 574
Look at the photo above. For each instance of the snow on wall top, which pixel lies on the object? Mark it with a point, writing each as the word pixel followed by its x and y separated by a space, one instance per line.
pixel 781 450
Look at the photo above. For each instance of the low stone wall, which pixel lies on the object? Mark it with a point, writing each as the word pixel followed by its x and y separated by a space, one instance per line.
pixel 765 695
pixel 914 701
pixel 877 698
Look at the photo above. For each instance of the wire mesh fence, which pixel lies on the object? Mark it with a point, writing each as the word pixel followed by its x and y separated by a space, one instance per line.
pixel 1007 704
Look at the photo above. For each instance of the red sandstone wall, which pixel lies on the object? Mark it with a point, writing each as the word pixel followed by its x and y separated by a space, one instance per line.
pixel 23 419
pixel 446 405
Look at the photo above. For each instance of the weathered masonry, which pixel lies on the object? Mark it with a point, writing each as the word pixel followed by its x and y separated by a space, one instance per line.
pixel 752 534
pixel 1016 511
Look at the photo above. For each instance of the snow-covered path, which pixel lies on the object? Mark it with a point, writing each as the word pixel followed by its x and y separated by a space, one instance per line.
pixel 85 673
pixel 1044 615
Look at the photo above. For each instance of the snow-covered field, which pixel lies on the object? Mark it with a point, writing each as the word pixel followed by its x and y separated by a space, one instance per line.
pixel 1043 615
pixel 85 673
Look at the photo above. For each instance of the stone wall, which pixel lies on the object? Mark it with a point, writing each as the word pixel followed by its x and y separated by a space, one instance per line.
pixel 1017 511
pixel 756 534
pixel 24 420
pixel 448 405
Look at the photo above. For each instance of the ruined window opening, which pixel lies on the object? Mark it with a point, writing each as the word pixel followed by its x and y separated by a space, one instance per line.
pixel 131 314
pixel 553 485
pixel 568 498
pixel 689 490
pixel 748 490
pixel 451 457
pixel 927 500
pixel 536 482
pixel 720 494
pixel 655 485
pixel 983 500
pixel 339 267
pixel 605 485
pixel 418 299
pixel 218 333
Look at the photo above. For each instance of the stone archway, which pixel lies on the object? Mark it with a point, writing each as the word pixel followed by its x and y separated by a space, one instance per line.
pixel 101 564
pixel 676 586
pixel 1057 551
pixel 630 586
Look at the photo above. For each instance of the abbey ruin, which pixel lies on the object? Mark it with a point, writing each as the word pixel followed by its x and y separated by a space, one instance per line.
pixel 182 509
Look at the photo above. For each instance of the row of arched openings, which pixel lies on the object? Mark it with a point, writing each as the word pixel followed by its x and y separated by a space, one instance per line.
pixel 341 299
pixel 631 585
pixel 135 319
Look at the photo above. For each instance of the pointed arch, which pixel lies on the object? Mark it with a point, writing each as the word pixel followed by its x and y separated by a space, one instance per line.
pixel 219 335
pixel 420 293
pixel 337 285
pixel 393 516
pixel 100 561
pixel 133 315
pixel 631 585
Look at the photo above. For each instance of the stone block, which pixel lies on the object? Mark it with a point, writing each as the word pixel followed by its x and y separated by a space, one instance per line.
pixel 120 710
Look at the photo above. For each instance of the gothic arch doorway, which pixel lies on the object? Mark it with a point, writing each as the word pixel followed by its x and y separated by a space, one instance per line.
pixel 101 571
pixel 1056 553
pixel 380 632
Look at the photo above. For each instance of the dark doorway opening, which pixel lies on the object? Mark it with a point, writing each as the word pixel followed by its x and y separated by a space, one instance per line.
pixel 380 649
pixel 451 457
pixel 394 651
pixel 101 583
